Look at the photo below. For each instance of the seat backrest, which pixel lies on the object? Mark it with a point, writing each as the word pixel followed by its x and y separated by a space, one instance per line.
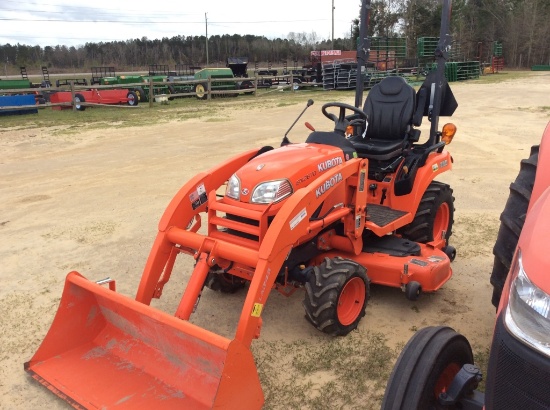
pixel 389 106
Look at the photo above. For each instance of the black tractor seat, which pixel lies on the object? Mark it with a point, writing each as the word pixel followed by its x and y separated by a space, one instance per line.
pixel 378 149
pixel 390 107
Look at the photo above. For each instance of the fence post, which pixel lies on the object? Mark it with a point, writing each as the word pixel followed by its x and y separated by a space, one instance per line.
pixel 151 95
pixel 209 86
pixel 292 81
pixel 71 83
pixel 256 86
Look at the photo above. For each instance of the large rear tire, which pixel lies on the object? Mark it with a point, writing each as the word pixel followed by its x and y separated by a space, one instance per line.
pixel 511 222
pixel 434 217
pixel 336 296
pixel 425 368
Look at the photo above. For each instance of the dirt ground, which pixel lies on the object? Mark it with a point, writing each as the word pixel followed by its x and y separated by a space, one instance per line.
pixel 91 202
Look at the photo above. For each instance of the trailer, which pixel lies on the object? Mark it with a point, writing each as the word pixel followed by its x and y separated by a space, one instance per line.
pixel 95 96
pixel 239 67
pixel 100 72
pixel 67 82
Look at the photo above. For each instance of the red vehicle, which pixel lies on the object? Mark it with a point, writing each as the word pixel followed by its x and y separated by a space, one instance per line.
pixel 96 96
pixel 435 370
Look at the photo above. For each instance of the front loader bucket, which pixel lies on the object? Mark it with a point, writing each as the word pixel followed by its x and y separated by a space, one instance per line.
pixel 105 350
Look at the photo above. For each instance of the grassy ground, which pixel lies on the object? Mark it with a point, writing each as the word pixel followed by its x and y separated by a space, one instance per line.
pixel 180 109
pixel 340 373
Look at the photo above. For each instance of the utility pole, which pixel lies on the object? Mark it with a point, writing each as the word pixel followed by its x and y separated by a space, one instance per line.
pixel 333 24
pixel 206 21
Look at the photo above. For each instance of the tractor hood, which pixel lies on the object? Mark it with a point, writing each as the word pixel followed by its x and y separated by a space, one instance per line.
pixel 296 165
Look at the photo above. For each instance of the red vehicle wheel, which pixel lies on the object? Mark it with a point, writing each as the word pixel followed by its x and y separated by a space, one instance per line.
pixel 426 368
pixel 133 98
pixel 78 99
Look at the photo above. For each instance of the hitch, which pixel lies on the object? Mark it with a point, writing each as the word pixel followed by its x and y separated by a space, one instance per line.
pixel 463 384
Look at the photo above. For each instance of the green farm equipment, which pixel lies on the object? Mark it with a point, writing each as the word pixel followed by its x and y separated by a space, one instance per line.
pixel 217 84
pixel 14 84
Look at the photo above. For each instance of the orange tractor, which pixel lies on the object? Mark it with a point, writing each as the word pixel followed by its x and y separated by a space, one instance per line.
pixel 349 207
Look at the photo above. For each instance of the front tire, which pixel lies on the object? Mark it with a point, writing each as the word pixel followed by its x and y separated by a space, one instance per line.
pixel 434 217
pixel 511 222
pixel 336 296
pixel 425 368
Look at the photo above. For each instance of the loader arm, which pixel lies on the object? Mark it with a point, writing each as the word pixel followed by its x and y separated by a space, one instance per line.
pixel 179 213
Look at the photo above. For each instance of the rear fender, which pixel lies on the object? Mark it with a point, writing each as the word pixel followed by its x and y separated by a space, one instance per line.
pixel 436 164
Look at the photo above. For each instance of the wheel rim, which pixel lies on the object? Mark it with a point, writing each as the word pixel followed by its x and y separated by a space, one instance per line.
pixel 77 103
pixel 131 99
pixel 441 221
pixel 445 379
pixel 200 91
pixel 351 301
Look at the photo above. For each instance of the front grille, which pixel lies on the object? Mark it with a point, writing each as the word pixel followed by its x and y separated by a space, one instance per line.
pixel 227 221
pixel 518 376
pixel 246 221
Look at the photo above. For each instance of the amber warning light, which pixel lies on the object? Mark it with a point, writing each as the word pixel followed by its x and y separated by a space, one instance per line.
pixel 449 131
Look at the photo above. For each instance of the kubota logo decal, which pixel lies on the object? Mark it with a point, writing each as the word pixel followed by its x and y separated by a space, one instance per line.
pixel 329 163
pixel 329 183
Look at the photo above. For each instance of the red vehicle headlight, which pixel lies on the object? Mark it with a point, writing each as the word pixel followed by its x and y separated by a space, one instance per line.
pixel 527 315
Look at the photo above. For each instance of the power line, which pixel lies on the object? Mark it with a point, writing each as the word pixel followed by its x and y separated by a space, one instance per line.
pixel 157 22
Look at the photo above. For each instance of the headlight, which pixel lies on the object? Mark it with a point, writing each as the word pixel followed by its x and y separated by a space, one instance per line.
pixel 528 312
pixel 233 189
pixel 271 191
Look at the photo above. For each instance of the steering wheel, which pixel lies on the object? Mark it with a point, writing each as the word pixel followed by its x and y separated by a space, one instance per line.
pixel 341 122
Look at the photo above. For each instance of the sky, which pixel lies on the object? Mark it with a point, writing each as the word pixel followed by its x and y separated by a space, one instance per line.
pixel 73 22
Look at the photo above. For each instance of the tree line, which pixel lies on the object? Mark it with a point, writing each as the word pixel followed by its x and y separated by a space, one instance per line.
pixel 519 25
